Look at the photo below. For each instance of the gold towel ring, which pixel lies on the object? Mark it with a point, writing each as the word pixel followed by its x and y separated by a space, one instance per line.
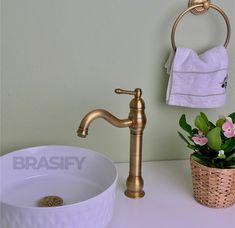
pixel 194 7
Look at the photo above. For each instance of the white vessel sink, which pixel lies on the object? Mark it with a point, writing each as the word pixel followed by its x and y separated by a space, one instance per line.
pixel 84 179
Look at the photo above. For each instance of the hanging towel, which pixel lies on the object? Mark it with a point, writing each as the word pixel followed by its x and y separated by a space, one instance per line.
pixel 197 81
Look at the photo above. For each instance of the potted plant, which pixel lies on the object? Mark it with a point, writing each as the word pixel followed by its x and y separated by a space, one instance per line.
pixel 213 159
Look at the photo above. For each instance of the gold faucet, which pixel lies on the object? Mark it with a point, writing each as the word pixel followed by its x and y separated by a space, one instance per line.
pixel 136 121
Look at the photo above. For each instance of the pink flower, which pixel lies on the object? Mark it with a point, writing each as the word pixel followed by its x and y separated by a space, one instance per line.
pixel 229 129
pixel 200 140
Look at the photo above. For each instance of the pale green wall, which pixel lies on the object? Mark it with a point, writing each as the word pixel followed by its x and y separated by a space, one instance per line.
pixel 63 58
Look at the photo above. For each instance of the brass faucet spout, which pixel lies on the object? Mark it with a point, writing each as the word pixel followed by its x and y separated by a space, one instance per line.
pixel 101 113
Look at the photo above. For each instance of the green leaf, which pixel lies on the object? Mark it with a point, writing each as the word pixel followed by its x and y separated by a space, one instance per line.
pixel 232 159
pixel 230 163
pixel 211 125
pixel 192 147
pixel 230 154
pixel 201 124
pixel 182 137
pixel 232 116
pixel 201 159
pixel 195 131
pixel 214 139
pixel 204 117
pixel 220 122
pixel 184 125
pixel 228 146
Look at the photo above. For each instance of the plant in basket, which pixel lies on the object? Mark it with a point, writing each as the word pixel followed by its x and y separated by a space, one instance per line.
pixel 213 158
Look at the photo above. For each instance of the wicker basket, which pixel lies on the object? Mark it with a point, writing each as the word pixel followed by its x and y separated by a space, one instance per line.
pixel 213 187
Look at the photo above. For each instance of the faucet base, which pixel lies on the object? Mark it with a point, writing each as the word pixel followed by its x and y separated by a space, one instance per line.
pixel 134 195
pixel 134 186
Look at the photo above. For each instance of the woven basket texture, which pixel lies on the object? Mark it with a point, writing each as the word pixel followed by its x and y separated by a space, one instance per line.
pixel 213 187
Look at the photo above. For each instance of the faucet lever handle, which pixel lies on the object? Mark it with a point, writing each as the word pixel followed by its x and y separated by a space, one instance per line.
pixel 137 92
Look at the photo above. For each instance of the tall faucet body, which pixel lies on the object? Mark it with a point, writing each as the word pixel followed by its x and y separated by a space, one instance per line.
pixel 136 121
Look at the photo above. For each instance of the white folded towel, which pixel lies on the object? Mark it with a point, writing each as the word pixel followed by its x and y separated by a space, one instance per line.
pixel 197 81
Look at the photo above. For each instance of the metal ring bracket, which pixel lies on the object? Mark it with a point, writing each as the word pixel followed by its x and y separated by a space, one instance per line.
pixel 199 10
pixel 200 6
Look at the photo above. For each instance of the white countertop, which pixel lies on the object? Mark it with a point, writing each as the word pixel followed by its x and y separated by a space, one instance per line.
pixel 168 201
